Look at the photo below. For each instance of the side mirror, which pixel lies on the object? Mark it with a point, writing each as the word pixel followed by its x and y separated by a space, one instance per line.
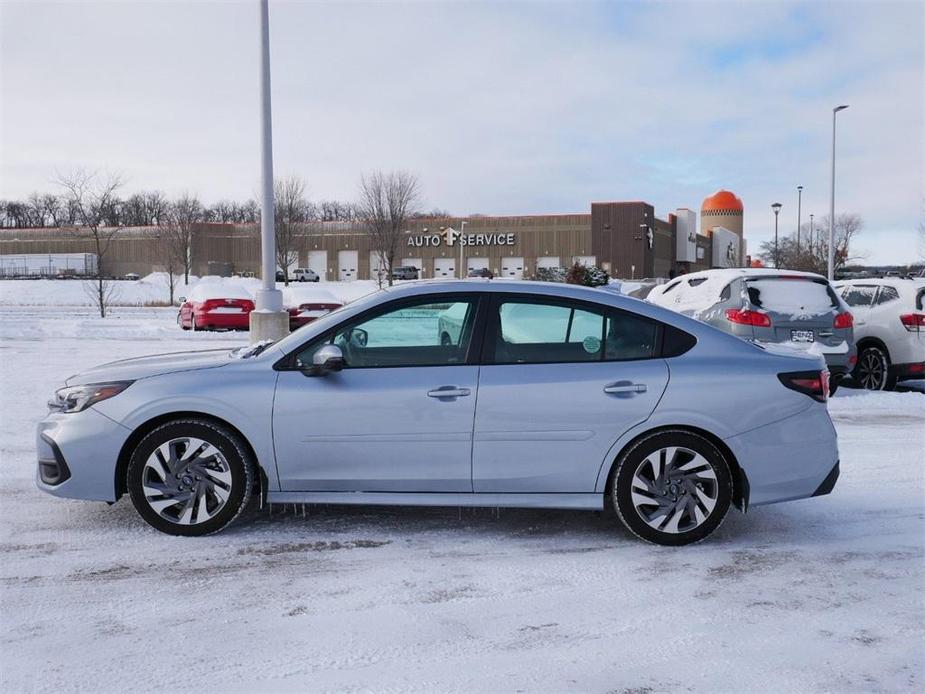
pixel 327 359
pixel 182 299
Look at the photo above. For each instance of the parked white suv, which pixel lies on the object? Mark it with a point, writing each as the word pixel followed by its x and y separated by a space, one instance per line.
pixel 889 327
pixel 304 274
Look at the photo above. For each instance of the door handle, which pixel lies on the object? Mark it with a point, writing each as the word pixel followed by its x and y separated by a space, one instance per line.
pixel 448 392
pixel 624 387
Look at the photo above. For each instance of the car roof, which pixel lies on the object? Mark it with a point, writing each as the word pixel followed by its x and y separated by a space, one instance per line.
pixel 748 272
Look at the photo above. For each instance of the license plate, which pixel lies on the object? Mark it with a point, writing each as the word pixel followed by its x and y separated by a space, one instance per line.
pixel 802 336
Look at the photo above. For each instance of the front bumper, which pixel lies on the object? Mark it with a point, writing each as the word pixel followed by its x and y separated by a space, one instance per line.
pixel 789 459
pixel 84 444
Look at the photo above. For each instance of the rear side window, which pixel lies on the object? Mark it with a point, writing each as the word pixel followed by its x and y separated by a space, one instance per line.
pixel 792 296
pixel 887 294
pixel 919 298
pixel 536 332
pixel 860 295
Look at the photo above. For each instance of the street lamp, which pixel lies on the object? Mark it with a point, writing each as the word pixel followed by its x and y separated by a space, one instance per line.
pixel 462 230
pixel 268 320
pixel 799 206
pixel 811 239
pixel 831 259
pixel 776 207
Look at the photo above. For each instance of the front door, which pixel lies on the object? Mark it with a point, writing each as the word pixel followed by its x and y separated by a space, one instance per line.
pixel 398 417
pixel 561 382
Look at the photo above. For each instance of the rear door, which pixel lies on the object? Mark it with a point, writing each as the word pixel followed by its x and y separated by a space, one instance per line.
pixel 860 299
pixel 560 382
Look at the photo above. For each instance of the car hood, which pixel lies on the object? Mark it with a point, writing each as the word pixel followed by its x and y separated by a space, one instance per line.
pixel 154 365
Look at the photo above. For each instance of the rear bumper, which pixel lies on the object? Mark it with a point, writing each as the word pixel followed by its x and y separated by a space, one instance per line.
pixel 223 321
pixel 789 459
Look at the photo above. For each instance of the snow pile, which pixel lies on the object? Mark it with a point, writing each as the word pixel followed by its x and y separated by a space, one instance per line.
pixel 690 294
pixel 799 298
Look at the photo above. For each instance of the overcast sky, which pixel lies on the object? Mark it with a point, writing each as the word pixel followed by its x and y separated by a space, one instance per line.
pixel 499 108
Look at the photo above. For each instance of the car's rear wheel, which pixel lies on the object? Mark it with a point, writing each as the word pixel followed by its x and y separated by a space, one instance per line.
pixel 672 488
pixel 190 477
pixel 873 369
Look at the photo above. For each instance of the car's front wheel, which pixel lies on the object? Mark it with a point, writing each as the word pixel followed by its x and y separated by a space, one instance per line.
pixel 672 488
pixel 190 477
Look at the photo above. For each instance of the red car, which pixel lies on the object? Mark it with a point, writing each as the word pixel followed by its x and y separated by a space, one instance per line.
pixel 216 307
pixel 305 313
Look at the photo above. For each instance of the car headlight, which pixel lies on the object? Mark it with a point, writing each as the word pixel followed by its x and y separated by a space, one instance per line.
pixel 79 398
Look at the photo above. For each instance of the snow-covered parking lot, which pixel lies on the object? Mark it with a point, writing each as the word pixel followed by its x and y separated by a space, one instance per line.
pixel 817 595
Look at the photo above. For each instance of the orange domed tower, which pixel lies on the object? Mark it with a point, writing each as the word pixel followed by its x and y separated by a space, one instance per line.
pixel 722 209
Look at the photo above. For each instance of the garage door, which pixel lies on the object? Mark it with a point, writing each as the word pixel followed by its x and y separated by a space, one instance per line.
pixel 547 261
pixel 347 265
pixel 376 266
pixel 586 260
pixel 444 267
pixel 414 262
pixel 318 261
pixel 476 264
pixel 512 267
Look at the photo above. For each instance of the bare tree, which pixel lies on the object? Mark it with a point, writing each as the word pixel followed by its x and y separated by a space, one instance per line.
pixel 182 215
pixel 812 254
pixel 166 240
pixel 292 210
pixel 386 201
pixel 336 211
pixel 92 197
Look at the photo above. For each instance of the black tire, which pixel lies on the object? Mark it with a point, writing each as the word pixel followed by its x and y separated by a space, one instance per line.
pixel 241 465
pixel 720 487
pixel 445 340
pixel 192 323
pixel 872 371
pixel 833 386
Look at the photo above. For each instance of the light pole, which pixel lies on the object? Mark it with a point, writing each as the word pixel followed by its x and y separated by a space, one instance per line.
pixel 776 207
pixel 799 207
pixel 462 230
pixel 831 259
pixel 811 239
pixel 268 321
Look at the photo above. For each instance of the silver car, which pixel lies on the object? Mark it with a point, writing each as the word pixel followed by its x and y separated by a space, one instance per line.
pixel 547 395
pixel 797 309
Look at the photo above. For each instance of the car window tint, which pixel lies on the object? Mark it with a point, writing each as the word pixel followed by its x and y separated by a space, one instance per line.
pixel 629 337
pixel 919 299
pixel 429 333
pixel 860 295
pixel 540 333
pixel 887 294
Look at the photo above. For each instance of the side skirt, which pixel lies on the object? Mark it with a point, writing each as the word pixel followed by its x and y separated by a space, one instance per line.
pixel 584 502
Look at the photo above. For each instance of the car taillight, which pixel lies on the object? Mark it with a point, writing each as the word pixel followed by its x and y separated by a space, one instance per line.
pixel 913 322
pixel 844 320
pixel 745 316
pixel 209 304
pixel 815 384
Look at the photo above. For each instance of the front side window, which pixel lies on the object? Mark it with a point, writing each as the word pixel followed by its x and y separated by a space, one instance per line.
pixel 541 333
pixel 429 332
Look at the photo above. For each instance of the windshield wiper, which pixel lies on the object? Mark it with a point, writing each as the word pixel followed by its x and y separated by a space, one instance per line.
pixel 251 350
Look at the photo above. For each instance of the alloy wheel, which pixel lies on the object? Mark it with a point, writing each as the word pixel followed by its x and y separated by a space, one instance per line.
pixel 186 481
pixel 674 489
pixel 872 369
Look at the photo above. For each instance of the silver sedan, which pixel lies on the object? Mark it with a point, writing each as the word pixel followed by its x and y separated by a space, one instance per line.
pixel 458 393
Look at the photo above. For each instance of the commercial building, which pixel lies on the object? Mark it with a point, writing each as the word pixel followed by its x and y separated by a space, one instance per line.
pixel 626 239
